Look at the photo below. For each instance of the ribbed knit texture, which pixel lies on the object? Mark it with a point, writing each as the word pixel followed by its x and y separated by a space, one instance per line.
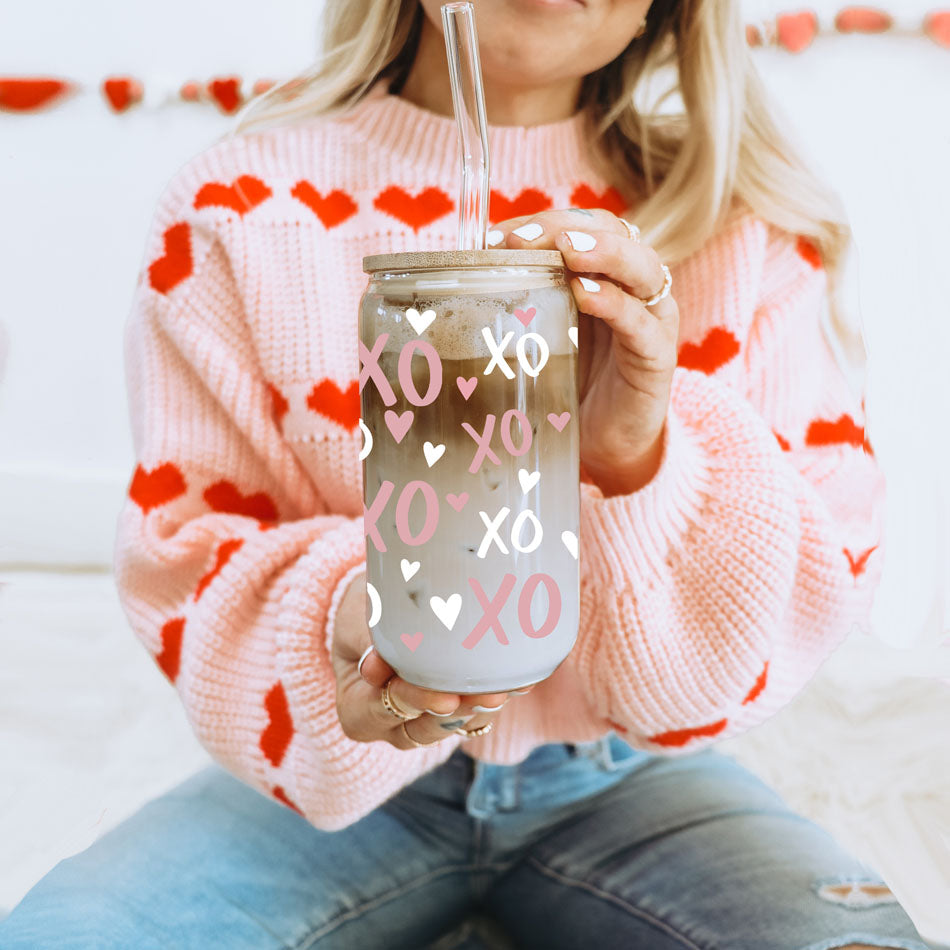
pixel 708 598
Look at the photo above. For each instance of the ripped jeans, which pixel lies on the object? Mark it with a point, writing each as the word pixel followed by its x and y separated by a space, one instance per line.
pixel 593 845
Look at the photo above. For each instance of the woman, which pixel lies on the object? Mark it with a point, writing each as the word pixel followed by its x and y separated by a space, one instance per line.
pixel 730 528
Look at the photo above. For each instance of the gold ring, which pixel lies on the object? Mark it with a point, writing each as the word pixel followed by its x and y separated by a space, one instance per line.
pixel 632 230
pixel 390 706
pixel 415 742
pixel 667 284
pixel 472 733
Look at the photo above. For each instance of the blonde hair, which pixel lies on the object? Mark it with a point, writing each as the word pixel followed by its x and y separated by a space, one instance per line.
pixel 687 169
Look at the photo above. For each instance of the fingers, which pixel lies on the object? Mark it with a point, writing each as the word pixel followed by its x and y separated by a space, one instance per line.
pixel 635 325
pixel 523 231
pixel 634 266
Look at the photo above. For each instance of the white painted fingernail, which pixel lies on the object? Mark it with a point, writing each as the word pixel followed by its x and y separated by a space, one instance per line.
pixel 519 692
pixel 366 653
pixel 487 708
pixel 432 712
pixel 494 238
pixel 581 240
pixel 591 286
pixel 529 231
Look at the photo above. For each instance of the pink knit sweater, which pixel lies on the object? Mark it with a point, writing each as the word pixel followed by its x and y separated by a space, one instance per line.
pixel 708 598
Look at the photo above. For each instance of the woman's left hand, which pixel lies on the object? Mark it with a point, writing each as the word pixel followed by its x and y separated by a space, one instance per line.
pixel 627 351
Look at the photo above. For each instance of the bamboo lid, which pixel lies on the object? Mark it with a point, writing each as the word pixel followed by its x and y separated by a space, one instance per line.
pixel 429 260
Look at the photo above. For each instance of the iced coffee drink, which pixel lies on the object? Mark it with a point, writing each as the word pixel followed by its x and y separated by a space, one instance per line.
pixel 468 384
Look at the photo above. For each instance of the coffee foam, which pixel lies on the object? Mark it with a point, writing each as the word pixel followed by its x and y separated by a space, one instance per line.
pixel 456 331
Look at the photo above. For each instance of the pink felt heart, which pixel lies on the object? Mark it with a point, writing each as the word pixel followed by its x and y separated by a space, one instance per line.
pixel 525 316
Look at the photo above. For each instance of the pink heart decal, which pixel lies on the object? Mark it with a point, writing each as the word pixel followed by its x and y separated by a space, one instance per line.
pixel 412 641
pixel 525 316
pixel 559 421
pixel 398 424
pixel 457 501
pixel 467 386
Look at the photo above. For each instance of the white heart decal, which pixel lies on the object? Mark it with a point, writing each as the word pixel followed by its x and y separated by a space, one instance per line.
pixel 570 542
pixel 528 481
pixel 420 321
pixel 433 453
pixel 376 605
pixel 572 333
pixel 409 568
pixel 447 610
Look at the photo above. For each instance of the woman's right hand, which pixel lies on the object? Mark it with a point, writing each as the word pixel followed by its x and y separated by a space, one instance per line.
pixel 358 690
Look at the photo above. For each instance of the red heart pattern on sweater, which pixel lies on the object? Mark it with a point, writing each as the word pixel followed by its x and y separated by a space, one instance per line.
pixel 170 656
pixel 332 209
pixel 224 553
pixel 719 346
pixel 679 737
pixel 527 201
pixel 280 726
pixel 796 30
pixel 225 497
pixel 244 194
pixel 279 404
pixel 166 273
pixel 937 27
pixel 153 489
pixel 809 252
pixel 784 444
pixel 583 196
pixel 418 210
pixel 343 407
pixel 281 796
pixel 843 431
pixel 858 563
pixel 758 685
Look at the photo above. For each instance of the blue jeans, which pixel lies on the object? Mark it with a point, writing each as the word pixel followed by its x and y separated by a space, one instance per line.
pixel 594 845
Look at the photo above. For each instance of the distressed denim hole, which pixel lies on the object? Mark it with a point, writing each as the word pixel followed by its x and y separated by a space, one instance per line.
pixel 855 894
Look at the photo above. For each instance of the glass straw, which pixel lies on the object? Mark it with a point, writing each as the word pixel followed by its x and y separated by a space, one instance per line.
pixel 468 98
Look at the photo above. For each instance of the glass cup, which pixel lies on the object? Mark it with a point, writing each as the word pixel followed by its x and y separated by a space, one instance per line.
pixel 468 398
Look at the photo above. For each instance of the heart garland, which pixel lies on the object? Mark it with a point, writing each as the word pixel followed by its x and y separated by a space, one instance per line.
pixel 793 31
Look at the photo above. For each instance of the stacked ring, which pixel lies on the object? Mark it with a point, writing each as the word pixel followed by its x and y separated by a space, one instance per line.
pixel 664 292
pixel 471 733
pixel 632 230
pixel 391 707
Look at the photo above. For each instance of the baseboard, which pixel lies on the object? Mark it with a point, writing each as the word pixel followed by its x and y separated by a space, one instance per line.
pixel 56 517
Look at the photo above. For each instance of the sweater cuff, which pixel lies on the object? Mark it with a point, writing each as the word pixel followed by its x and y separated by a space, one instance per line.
pixel 628 537
pixel 338 594
pixel 304 615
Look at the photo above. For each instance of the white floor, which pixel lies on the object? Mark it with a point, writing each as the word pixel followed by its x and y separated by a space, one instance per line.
pixel 89 730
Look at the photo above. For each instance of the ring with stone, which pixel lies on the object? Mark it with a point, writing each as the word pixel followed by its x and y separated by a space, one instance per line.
pixel 390 704
pixel 665 292
pixel 632 230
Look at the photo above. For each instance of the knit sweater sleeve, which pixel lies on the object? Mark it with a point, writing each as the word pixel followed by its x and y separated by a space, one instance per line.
pixel 711 596
pixel 228 560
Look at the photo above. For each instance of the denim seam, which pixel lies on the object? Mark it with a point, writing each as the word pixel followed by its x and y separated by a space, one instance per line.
pixel 308 941
pixel 613 899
